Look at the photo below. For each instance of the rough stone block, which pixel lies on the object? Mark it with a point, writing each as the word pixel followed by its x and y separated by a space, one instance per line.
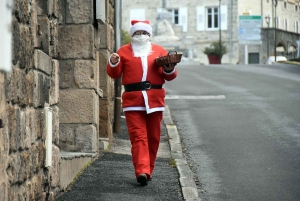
pixel 55 125
pixel 29 87
pixel 106 118
pixel 23 11
pixel 41 89
pixel 42 7
pixel 16 41
pixel 54 170
pixel 17 87
pixel 54 83
pixel 34 159
pixel 110 15
pixel 85 73
pixel 14 166
pixel 86 139
pixel 16 128
pixel 76 41
pixel 42 62
pixel 43 34
pixel 78 106
pixel 31 133
pixel 106 83
pixel 66 75
pixel 34 23
pixel 79 12
pixel 67 137
pixel 24 172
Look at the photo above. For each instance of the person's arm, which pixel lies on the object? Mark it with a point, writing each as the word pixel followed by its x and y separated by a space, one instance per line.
pixel 114 66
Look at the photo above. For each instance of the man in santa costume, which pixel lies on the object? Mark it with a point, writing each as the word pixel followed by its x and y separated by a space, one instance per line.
pixel 143 99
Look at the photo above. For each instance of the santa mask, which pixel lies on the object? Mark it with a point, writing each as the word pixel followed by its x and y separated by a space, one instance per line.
pixel 140 39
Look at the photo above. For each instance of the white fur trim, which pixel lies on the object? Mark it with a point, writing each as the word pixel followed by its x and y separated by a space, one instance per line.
pixel 140 26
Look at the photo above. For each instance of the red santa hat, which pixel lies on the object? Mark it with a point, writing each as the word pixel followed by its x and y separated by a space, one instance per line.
pixel 140 25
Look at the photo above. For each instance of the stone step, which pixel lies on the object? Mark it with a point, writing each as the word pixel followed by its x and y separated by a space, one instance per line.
pixel 71 163
pixel 103 143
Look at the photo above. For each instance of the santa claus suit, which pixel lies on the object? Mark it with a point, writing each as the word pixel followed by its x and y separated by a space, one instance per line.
pixel 143 108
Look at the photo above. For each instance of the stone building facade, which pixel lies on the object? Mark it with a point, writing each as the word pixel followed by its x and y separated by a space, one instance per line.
pixel 60 51
pixel 190 22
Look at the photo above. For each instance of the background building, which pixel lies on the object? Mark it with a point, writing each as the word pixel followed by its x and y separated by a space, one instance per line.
pixel 198 23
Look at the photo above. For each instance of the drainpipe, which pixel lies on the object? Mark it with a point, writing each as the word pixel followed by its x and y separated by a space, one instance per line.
pixel 48 141
pixel 118 85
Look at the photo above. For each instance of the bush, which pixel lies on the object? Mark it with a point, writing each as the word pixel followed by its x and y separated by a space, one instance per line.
pixel 216 49
pixel 125 37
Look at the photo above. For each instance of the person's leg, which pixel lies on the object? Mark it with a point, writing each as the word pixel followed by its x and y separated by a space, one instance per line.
pixel 153 133
pixel 136 124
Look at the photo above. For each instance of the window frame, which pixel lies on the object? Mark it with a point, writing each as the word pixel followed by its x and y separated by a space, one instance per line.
pixel 175 16
pixel 213 13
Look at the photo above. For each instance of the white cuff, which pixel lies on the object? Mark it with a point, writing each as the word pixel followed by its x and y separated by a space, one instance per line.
pixel 113 65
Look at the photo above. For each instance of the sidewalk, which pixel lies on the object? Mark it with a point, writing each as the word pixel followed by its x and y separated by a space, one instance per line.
pixel 111 176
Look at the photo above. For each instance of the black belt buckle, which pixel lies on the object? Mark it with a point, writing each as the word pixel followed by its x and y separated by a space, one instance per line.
pixel 147 85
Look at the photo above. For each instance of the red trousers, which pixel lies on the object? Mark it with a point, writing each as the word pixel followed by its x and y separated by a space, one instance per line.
pixel 144 132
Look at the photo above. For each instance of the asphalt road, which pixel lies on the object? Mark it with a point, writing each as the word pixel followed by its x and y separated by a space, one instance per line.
pixel 241 128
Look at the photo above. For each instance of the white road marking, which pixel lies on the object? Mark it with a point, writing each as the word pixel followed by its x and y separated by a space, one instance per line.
pixel 174 97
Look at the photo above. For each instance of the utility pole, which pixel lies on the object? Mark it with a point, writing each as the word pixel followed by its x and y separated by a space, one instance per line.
pixel 220 36
pixel 275 2
pixel 164 3
pixel 268 23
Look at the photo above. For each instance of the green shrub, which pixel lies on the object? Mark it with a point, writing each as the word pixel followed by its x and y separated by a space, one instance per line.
pixel 125 37
pixel 216 49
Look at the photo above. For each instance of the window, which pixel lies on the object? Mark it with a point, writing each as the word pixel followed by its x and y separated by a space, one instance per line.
pixel 296 27
pixel 175 15
pixel 284 4
pixel 212 20
pixel 180 17
pixel 296 8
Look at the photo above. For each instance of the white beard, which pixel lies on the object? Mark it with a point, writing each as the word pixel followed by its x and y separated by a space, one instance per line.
pixel 141 47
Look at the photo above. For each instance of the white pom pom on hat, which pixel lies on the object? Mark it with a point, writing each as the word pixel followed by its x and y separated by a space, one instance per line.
pixel 140 25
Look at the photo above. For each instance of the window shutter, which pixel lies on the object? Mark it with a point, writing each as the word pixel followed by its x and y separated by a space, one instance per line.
pixel 224 17
pixel 183 18
pixel 278 22
pixel 200 18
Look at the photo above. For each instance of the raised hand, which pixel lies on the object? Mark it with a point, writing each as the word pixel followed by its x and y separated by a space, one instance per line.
pixel 114 58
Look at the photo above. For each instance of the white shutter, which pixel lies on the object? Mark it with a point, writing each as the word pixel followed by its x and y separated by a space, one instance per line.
pixel 278 22
pixel 200 18
pixel 224 17
pixel 183 18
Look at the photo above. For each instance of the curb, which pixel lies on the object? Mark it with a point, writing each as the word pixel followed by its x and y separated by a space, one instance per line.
pixel 187 183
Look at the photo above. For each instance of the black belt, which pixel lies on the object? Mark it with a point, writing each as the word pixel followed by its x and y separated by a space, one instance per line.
pixel 140 86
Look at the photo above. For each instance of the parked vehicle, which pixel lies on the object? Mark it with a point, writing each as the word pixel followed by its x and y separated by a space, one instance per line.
pixel 271 59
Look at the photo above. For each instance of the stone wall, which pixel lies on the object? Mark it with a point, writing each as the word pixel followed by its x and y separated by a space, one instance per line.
pixel 32 85
pixel 60 53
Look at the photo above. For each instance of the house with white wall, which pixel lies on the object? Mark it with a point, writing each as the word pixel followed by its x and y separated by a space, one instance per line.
pixel 203 22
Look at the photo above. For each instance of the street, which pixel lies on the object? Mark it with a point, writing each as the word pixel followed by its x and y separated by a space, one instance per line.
pixel 240 125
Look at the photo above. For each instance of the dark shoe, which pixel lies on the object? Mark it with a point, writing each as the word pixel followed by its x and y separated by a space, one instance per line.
pixel 142 179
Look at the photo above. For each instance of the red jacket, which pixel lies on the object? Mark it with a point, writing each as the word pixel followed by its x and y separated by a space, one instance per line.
pixel 133 70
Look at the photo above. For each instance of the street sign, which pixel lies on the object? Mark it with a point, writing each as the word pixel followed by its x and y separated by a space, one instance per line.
pixel 250 29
